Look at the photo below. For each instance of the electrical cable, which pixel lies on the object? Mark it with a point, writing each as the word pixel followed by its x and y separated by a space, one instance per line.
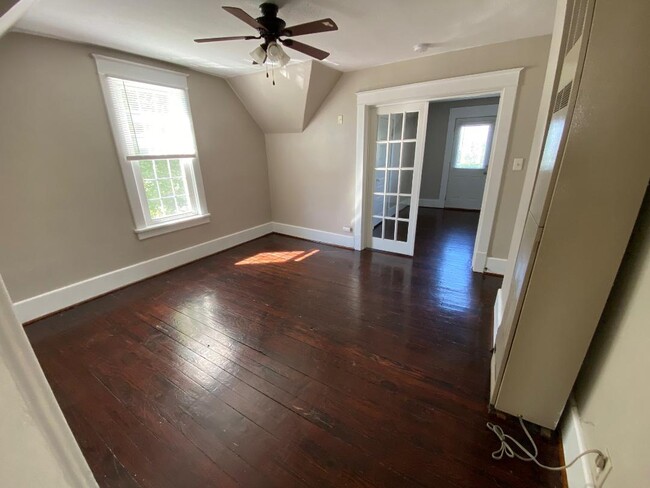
pixel 509 451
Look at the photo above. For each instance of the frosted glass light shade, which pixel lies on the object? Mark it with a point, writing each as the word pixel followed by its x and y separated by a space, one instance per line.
pixel 276 54
pixel 258 54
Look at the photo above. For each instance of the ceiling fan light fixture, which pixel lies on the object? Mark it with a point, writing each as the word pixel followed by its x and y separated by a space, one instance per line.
pixel 276 54
pixel 272 29
pixel 258 54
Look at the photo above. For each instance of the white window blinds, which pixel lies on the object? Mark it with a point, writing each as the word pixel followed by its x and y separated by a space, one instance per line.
pixel 151 120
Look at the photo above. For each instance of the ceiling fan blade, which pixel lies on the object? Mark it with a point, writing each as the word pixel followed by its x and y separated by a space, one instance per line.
pixel 305 49
pixel 322 25
pixel 243 16
pixel 232 38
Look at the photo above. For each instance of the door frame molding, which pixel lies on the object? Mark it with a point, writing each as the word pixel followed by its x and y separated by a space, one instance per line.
pixel 503 83
pixel 454 114
pixel 42 407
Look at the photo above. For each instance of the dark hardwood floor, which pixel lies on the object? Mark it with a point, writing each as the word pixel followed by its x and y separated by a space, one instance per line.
pixel 284 363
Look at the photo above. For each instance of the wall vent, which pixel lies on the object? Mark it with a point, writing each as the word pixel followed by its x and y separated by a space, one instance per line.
pixel 562 97
pixel 577 26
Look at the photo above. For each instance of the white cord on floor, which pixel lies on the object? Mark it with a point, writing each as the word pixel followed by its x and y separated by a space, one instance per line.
pixel 509 450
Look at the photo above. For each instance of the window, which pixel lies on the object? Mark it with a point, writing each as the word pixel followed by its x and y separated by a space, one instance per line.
pixel 473 144
pixel 152 125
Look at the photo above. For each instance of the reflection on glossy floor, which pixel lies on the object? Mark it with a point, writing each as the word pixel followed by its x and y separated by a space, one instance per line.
pixel 288 363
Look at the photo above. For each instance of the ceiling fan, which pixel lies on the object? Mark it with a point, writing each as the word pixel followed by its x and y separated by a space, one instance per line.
pixel 273 29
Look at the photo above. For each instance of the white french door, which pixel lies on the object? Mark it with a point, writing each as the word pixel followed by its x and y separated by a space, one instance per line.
pixel 396 152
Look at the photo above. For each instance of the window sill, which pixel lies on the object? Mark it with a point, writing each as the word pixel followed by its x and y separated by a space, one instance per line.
pixel 159 229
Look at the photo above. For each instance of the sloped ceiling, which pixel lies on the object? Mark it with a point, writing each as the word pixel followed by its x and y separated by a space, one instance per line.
pixel 371 32
pixel 289 105
pixel 11 11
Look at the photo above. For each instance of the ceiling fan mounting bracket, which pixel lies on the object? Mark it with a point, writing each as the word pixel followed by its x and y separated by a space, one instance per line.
pixel 273 26
pixel 269 9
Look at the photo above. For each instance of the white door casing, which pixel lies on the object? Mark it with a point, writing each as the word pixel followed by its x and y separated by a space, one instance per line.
pixel 396 139
pixel 39 409
pixel 502 83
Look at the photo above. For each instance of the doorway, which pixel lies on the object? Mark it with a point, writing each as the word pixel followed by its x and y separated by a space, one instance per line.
pixel 457 151
pixel 501 84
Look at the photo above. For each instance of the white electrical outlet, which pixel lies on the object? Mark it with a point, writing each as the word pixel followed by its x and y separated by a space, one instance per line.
pixel 603 473
pixel 518 164
pixel 347 229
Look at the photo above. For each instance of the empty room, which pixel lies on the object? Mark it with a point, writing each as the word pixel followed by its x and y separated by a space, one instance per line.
pixel 320 243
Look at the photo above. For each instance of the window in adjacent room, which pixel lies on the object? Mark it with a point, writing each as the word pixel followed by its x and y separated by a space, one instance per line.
pixel 149 110
pixel 473 142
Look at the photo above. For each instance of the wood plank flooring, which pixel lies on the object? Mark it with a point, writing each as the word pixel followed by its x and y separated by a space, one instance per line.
pixel 283 363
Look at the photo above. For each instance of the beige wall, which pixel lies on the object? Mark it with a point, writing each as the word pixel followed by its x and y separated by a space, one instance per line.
pixel 312 173
pixel 612 391
pixel 436 139
pixel 64 212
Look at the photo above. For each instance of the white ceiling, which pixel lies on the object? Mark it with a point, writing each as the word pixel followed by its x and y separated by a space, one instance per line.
pixel 371 32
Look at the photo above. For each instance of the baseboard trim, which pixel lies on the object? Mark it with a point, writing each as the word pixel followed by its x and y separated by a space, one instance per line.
pixel 573 443
pixel 496 266
pixel 431 203
pixel 479 261
pixel 64 297
pixel 314 235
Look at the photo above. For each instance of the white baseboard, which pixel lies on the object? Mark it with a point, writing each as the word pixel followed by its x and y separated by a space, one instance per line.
pixel 496 265
pixel 479 262
pixel 314 235
pixel 432 203
pixel 52 301
pixel 573 443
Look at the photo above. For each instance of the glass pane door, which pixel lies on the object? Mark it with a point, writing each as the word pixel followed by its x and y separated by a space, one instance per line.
pixel 397 165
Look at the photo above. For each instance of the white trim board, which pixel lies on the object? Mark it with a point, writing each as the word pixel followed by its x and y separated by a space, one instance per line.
pixel 502 83
pixel 496 265
pixel 66 296
pixel 573 443
pixel 314 235
pixel 497 316
pixel 550 85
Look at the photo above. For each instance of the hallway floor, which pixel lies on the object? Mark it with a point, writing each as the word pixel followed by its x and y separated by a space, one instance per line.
pixel 283 362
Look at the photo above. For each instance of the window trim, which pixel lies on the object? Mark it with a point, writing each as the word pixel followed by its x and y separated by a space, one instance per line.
pixel 144 226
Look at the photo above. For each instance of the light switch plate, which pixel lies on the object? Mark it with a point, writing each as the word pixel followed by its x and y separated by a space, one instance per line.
pixel 518 164
pixel 339 120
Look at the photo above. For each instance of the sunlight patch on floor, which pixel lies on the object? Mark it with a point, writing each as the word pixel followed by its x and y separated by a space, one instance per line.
pixel 278 257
